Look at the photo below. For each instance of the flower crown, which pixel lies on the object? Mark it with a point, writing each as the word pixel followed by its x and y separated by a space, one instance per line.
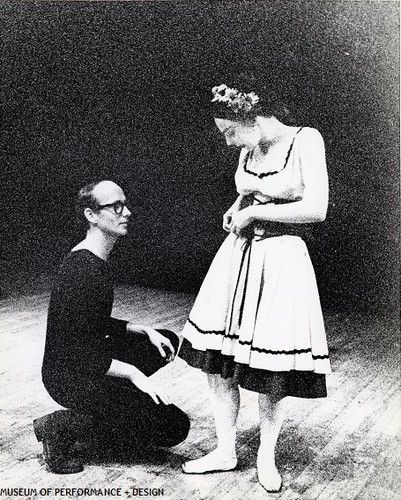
pixel 238 102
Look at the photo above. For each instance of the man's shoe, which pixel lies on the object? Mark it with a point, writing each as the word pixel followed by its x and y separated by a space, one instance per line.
pixel 57 450
pixel 39 426
pixel 58 459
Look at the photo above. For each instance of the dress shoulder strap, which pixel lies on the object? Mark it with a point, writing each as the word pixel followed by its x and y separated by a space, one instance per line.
pixel 290 148
pixel 266 174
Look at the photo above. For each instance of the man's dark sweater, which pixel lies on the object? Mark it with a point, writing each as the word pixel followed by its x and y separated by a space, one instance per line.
pixel 82 339
pixel 79 327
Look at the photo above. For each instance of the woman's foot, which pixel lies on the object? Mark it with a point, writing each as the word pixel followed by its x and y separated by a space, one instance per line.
pixel 270 479
pixel 268 474
pixel 216 461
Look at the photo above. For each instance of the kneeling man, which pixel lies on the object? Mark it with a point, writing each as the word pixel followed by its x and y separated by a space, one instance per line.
pixel 96 366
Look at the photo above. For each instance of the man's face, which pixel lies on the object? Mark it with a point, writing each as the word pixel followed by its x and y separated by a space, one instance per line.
pixel 112 216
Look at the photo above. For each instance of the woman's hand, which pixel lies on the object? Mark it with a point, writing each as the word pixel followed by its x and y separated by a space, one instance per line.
pixel 241 219
pixel 146 385
pixel 239 204
pixel 227 219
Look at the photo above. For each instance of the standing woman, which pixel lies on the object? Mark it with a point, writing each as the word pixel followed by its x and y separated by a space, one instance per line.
pixel 257 321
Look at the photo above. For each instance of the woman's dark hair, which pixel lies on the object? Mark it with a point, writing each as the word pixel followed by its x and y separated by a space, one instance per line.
pixel 270 102
pixel 85 199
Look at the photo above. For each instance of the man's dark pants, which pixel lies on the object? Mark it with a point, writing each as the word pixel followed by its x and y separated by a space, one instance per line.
pixel 115 411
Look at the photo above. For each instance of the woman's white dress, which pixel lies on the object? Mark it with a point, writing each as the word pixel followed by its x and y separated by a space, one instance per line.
pixel 257 316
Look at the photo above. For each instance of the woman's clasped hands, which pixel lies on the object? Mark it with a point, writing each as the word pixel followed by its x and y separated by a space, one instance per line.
pixel 236 220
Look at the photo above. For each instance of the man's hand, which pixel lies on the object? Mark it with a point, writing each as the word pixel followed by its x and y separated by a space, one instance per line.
pixel 145 384
pixel 161 342
pixel 139 379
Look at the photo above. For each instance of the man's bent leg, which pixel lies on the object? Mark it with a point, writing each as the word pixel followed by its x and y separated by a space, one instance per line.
pixel 137 350
pixel 127 417
pixel 167 425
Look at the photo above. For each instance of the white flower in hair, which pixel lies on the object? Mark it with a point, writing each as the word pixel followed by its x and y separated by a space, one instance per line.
pixel 239 102
pixel 220 93
pixel 219 88
pixel 232 93
pixel 253 97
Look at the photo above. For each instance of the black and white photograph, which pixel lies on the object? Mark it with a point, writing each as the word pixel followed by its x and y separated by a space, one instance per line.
pixel 200 249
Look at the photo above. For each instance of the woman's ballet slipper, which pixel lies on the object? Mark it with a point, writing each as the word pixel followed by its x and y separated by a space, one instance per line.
pixel 212 462
pixel 269 477
pixel 270 480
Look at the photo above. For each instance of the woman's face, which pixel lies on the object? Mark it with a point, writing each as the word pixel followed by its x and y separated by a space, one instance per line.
pixel 239 134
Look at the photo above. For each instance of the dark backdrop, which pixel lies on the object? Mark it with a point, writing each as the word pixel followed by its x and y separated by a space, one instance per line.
pixel 119 90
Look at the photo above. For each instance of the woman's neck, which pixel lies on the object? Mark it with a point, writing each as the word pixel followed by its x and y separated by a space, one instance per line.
pixel 273 132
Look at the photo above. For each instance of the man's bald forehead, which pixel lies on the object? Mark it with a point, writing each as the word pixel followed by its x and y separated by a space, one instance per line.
pixel 107 191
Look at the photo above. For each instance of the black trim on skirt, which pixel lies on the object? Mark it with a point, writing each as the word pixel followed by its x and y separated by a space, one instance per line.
pixel 295 383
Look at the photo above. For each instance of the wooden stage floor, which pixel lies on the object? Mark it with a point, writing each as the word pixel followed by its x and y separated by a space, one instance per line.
pixel 344 447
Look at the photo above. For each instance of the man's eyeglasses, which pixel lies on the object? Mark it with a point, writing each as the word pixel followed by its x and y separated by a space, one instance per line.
pixel 117 206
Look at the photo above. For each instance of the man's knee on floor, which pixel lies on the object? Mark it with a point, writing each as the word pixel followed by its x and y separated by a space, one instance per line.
pixel 178 427
pixel 185 426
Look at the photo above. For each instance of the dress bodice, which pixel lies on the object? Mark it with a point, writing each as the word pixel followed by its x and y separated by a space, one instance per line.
pixel 274 178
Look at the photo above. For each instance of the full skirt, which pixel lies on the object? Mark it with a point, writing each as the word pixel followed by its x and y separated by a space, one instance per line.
pixel 257 318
